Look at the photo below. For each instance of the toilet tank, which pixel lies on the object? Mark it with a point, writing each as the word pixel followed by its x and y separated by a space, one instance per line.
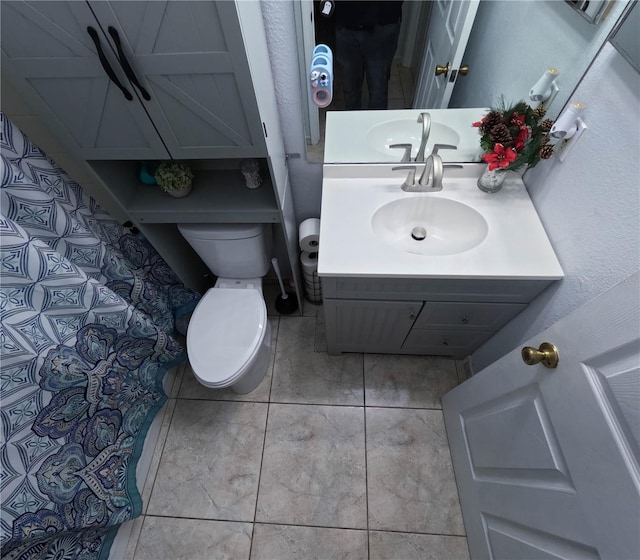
pixel 231 250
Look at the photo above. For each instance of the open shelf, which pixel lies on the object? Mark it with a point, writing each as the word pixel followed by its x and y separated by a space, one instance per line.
pixel 218 196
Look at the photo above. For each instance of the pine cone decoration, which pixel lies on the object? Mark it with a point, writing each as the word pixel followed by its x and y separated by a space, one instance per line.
pixel 539 112
pixel 545 152
pixel 545 140
pixel 492 119
pixel 500 134
pixel 546 124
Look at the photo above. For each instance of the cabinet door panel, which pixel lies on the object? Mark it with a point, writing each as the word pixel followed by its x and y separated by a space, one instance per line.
pixel 191 59
pixel 368 326
pixel 48 56
pixel 467 315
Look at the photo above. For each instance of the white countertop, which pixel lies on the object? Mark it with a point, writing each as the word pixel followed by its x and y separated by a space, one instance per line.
pixel 516 245
pixel 347 134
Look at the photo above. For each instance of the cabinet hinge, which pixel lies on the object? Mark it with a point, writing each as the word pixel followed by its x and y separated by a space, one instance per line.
pixel 265 130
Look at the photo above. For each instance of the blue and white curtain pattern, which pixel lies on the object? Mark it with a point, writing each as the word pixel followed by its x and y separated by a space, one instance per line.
pixel 88 314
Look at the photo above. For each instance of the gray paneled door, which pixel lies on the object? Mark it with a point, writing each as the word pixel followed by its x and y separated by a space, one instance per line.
pixel 189 92
pixel 49 55
pixel 547 460
pixel 190 58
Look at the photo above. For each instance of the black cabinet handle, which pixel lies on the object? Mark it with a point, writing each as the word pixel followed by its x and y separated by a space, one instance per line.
pixel 105 64
pixel 125 63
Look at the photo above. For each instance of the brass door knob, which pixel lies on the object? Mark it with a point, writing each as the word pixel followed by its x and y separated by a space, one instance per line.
pixel 463 70
pixel 547 354
pixel 442 69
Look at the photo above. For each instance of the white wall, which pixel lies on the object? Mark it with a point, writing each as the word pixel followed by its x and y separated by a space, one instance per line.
pixel 589 205
pixel 306 178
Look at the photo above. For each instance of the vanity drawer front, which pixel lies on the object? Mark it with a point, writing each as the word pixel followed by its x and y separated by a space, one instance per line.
pixel 463 315
pixel 428 289
pixel 455 343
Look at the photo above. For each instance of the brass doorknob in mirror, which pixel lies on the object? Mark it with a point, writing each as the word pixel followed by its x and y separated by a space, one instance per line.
pixel 463 70
pixel 442 69
pixel 547 354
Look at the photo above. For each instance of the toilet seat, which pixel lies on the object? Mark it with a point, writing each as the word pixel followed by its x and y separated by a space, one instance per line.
pixel 225 333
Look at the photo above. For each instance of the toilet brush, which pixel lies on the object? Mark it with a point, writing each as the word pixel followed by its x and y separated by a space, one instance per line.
pixel 285 303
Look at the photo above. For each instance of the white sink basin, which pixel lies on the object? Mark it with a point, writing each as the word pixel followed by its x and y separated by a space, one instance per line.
pixel 429 226
pixel 367 222
pixel 408 131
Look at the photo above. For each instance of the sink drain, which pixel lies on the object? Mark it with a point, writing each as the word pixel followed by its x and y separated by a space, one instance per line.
pixel 418 233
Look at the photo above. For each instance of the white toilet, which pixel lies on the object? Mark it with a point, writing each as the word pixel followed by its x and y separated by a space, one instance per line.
pixel 229 336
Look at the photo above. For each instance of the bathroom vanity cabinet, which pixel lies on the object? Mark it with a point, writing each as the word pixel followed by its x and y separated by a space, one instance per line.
pixel 118 83
pixel 439 317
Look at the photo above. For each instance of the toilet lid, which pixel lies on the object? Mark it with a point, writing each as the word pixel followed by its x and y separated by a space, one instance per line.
pixel 225 331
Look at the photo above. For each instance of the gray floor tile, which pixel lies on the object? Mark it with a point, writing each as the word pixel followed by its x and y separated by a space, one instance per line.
pixel 169 538
pixel 302 375
pixel 321 332
pixel 411 486
pixel 464 370
pixel 313 470
pixel 408 546
pixel 191 388
pixel 211 461
pixel 286 542
pixel 407 381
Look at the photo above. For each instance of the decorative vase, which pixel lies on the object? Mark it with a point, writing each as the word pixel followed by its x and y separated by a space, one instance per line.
pixel 491 181
pixel 182 192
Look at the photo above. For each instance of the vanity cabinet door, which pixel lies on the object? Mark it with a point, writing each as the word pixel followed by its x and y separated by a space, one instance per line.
pixel 466 315
pixel 50 58
pixel 368 326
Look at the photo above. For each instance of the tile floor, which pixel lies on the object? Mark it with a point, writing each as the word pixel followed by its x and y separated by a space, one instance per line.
pixel 331 457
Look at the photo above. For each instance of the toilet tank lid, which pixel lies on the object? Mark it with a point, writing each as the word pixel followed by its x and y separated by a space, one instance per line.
pixel 221 231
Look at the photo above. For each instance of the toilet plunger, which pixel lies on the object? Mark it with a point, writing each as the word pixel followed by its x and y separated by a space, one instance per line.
pixel 285 303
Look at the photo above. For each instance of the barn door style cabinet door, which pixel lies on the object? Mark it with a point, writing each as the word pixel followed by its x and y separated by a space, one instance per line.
pixel 138 79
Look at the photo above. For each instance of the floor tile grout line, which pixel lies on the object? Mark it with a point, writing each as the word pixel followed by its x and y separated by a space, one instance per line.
pixel 315 404
pixel 255 509
pixel 135 548
pixel 366 464
pixel 264 438
pixel 285 524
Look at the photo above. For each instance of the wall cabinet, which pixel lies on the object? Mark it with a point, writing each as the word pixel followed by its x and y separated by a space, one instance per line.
pixel 122 82
pixel 137 79
pixel 420 316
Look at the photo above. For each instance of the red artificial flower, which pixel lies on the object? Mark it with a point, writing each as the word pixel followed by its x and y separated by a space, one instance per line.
pixel 522 137
pixel 478 124
pixel 501 157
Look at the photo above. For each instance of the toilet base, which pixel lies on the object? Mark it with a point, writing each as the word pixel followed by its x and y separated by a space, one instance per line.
pixel 252 378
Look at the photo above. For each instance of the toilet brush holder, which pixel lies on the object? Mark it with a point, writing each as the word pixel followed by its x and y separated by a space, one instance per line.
pixel 286 303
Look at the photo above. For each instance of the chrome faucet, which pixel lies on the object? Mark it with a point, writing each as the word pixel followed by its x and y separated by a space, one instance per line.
pixel 430 180
pixel 407 151
pixel 425 120
pixel 432 173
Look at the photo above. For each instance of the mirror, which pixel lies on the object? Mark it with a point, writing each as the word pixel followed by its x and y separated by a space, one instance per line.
pixel 510 46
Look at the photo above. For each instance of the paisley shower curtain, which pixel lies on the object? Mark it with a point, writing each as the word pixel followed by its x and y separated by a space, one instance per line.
pixel 88 315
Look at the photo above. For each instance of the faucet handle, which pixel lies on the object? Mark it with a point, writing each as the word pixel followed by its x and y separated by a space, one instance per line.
pixel 410 181
pixel 407 151
pixel 437 147
pixel 431 178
